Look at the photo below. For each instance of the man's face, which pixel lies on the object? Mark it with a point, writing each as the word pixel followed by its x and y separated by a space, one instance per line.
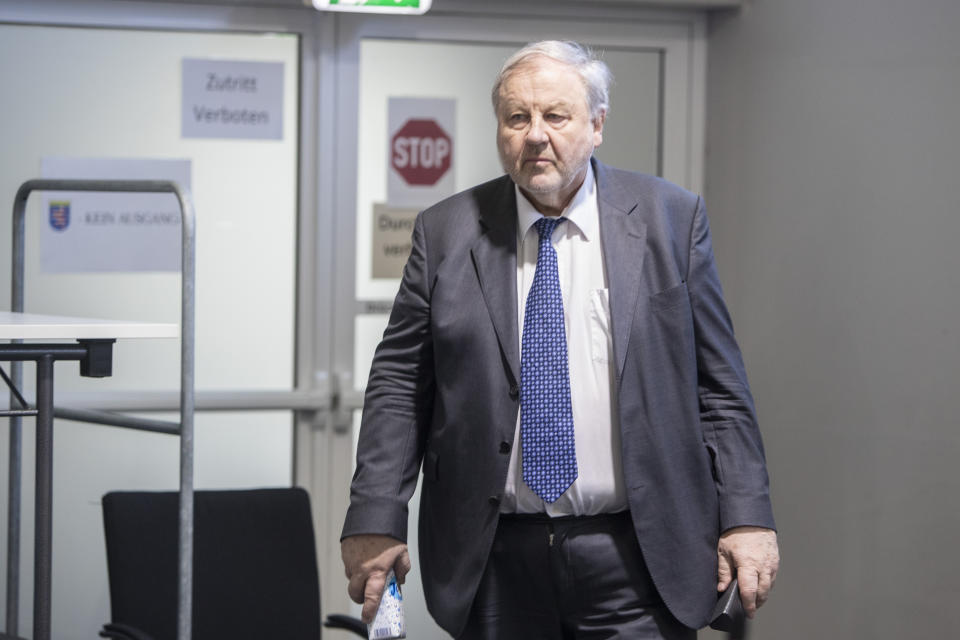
pixel 544 131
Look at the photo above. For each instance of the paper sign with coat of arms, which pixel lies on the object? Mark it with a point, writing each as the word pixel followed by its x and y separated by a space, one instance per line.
pixel 120 232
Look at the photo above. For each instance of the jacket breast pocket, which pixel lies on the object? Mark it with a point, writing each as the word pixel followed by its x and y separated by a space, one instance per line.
pixel 668 338
pixel 670 298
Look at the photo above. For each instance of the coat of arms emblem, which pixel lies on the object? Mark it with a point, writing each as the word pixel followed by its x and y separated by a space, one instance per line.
pixel 60 215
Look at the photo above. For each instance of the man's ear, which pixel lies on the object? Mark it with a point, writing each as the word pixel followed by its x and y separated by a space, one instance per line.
pixel 598 128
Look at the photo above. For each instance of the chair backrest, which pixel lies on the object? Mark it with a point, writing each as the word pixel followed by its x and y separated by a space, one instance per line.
pixel 255 565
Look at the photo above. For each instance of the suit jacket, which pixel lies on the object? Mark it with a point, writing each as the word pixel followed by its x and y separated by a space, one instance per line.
pixel 444 391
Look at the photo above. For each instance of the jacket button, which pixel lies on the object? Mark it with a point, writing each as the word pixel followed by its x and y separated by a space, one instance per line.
pixel 495 500
pixel 504 447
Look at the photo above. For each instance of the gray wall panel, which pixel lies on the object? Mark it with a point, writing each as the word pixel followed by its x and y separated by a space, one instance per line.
pixel 833 139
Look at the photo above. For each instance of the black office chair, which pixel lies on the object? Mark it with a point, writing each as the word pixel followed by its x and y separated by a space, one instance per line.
pixel 255 566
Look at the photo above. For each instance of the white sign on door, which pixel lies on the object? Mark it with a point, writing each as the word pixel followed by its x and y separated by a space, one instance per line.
pixel 86 231
pixel 232 99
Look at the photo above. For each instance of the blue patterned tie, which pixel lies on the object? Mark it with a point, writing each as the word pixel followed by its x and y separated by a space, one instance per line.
pixel 546 417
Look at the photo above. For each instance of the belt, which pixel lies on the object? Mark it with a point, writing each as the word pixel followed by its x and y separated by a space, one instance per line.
pixel 544 518
pixel 558 528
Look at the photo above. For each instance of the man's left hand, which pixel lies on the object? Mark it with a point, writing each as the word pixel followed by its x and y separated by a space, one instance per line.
pixel 751 554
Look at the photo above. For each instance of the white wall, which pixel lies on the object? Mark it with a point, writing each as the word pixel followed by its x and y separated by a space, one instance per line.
pixel 833 155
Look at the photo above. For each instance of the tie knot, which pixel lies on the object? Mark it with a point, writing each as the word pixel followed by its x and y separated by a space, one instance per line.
pixel 545 226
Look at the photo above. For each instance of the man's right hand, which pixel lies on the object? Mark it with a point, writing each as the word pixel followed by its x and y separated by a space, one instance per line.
pixel 367 559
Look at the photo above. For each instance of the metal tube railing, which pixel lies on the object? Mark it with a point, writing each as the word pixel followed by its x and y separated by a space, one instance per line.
pixel 187 350
pixel 111 419
pixel 213 400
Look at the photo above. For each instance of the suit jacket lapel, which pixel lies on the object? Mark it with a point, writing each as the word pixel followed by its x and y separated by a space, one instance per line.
pixel 495 259
pixel 494 254
pixel 623 234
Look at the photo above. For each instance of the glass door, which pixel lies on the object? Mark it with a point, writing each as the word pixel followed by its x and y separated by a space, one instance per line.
pixel 83 99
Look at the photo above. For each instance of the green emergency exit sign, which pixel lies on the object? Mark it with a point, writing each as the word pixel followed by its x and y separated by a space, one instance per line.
pixel 374 6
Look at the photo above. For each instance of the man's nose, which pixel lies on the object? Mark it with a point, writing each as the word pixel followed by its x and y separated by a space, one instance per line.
pixel 536 134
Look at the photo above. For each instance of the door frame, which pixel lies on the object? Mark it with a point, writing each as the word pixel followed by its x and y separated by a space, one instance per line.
pixel 679 35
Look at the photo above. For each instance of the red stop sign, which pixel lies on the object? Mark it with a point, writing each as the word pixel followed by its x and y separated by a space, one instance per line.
pixel 420 152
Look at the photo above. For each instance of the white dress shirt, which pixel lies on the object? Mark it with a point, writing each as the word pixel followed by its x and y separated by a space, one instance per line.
pixel 599 487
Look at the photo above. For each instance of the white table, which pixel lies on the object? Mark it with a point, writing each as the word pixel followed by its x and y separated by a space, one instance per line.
pixel 93 348
pixel 32 326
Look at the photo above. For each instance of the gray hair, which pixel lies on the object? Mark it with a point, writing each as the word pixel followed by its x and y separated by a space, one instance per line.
pixel 594 72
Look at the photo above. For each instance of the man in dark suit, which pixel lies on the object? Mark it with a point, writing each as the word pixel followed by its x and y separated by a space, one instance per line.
pixel 560 361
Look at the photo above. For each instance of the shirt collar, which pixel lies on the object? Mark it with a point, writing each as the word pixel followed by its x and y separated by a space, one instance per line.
pixel 581 212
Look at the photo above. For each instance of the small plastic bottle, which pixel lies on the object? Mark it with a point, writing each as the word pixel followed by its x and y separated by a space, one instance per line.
pixel 388 623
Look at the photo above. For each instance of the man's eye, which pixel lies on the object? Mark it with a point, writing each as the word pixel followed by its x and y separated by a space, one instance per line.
pixel 554 118
pixel 518 117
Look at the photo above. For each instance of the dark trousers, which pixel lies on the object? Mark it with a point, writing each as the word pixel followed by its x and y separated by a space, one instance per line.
pixel 568 578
